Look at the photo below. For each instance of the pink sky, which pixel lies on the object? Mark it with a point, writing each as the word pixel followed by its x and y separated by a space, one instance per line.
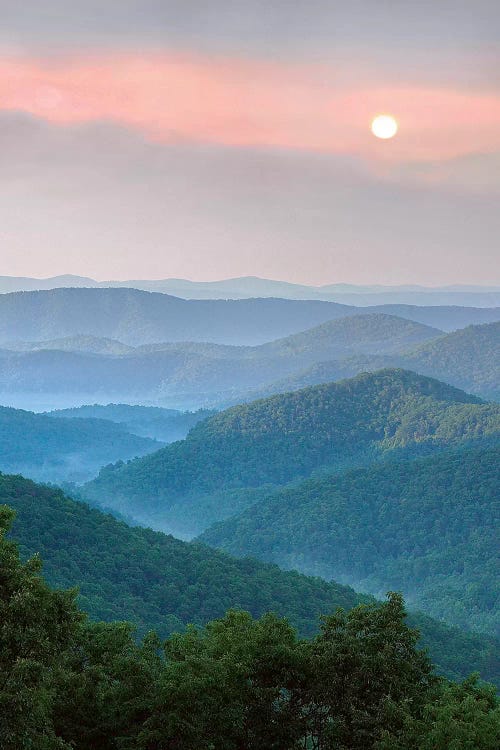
pixel 235 102
pixel 207 140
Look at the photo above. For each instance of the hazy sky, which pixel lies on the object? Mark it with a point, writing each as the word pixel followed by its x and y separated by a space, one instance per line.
pixel 151 138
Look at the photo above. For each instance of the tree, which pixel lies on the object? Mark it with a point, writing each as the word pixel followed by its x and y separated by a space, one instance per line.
pixel 456 717
pixel 36 625
pixel 229 686
pixel 365 674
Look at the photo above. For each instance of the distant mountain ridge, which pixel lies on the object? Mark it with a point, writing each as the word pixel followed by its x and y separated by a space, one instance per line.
pixel 135 317
pixel 230 459
pixel 468 358
pixel 191 375
pixel 252 286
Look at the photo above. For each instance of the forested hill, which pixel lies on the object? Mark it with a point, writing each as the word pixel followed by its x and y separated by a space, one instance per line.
pixel 87 369
pixel 134 317
pixel 217 469
pixel 65 449
pixel 468 359
pixel 160 582
pixel 165 425
pixel 427 527
pixel 369 333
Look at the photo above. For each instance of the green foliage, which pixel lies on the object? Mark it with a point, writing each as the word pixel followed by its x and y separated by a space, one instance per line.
pixel 154 422
pixel 427 527
pixel 66 449
pixel 456 717
pixel 159 582
pixel 152 579
pixel 237 683
pixel 468 359
pixel 36 624
pixel 287 437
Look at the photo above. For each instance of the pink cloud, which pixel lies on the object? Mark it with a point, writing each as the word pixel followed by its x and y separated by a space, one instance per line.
pixel 249 103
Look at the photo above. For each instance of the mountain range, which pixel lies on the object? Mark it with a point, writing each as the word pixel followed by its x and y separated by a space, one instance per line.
pixel 64 450
pixel 252 286
pixel 232 459
pixel 85 369
pixel 427 527
pixel 156 581
pixel 134 317
pixel 468 358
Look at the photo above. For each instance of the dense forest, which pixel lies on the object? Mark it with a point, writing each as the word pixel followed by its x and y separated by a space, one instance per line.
pixel 230 459
pixel 360 684
pixel 375 333
pixel 65 449
pixel 468 359
pixel 427 527
pixel 191 375
pixel 165 425
pixel 86 368
pixel 159 582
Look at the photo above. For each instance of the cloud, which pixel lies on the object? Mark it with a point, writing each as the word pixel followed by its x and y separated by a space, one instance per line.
pixel 100 200
pixel 250 103
pixel 431 41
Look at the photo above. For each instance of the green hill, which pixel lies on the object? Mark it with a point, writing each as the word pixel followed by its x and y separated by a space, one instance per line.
pixel 358 334
pixel 190 375
pixel 186 374
pixel 165 425
pixel 77 343
pixel 66 449
pixel 427 527
pixel 159 582
pixel 229 460
pixel 136 317
pixel 468 359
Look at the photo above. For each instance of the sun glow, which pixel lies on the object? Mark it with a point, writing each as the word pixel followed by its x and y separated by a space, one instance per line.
pixel 384 126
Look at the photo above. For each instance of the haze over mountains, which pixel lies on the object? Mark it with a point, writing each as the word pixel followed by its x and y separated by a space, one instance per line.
pixel 252 286
pixel 360 445
pixel 426 527
pixel 134 317
pixel 160 582
pixel 85 369
pixel 230 460
pixel 246 504
pixel 65 449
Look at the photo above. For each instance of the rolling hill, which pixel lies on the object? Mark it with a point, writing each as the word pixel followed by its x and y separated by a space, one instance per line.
pixel 61 450
pixel 358 334
pixel 188 374
pixel 159 582
pixel 252 286
pixel 427 527
pixel 166 425
pixel 468 359
pixel 230 459
pixel 135 317
pixel 193 375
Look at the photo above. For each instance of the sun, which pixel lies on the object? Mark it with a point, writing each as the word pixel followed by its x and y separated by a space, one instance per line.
pixel 384 126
